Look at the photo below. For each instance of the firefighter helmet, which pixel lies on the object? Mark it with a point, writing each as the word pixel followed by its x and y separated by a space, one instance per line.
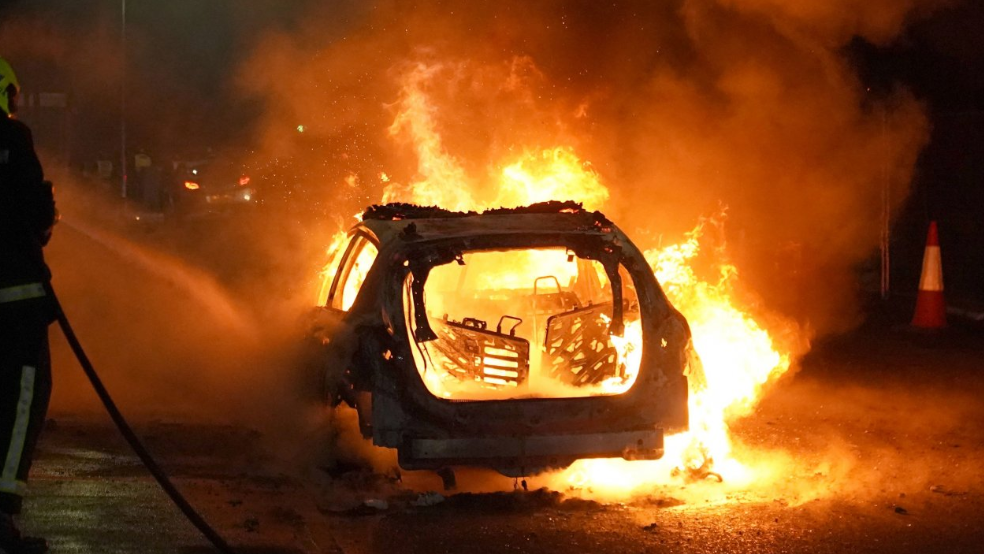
pixel 7 79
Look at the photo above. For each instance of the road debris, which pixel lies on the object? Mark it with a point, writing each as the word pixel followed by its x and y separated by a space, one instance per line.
pixel 940 489
pixel 251 524
pixel 428 499
pixel 696 474
pixel 377 503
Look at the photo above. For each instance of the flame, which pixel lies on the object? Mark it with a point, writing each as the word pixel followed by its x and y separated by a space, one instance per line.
pixel 535 176
pixel 442 181
pixel 552 174
pixel 737 356
pixel 327 275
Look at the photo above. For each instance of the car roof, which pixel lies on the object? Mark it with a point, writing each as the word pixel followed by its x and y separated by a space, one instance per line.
pixel 408 222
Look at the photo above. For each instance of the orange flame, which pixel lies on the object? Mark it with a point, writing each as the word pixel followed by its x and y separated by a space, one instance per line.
pixel 335 252
pixel 553 174
pixel 737 358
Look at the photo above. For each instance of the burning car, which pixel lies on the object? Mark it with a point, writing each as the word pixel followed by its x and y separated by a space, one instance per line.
pixel 517 339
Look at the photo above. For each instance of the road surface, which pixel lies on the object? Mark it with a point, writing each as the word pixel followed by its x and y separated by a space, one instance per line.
pixel 876 444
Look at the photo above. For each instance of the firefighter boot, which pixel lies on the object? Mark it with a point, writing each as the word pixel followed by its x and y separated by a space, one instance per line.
pixel 11 541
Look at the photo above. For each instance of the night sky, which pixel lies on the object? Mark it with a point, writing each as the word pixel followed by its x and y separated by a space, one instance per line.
pixel 191 49
pixel 941 59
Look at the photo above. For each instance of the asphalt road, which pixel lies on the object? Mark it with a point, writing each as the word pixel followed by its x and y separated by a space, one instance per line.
pixel 875 445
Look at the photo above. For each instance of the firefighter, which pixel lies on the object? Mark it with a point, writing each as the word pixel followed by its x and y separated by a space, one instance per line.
pixel 27 215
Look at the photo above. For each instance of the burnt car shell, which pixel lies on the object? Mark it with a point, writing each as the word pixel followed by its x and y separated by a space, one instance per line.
pixel 368 362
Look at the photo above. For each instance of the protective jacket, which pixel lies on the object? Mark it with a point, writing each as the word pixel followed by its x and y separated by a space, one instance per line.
pixel 27 208
pixel 27 213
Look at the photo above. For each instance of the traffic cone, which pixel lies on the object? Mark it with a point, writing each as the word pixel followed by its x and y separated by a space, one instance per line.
pixel 930 306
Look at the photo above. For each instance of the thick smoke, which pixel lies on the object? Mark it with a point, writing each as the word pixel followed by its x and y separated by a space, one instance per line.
pixel 680 107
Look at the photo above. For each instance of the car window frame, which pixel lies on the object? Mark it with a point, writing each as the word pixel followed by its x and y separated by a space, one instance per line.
pixel 345 269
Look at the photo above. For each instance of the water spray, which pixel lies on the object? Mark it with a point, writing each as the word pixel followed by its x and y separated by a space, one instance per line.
pixel 131 438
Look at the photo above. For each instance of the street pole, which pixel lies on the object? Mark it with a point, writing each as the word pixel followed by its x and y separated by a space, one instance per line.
pixel 123 103
pixel 886 227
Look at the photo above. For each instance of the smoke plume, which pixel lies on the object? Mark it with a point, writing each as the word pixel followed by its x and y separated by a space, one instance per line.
pixel 681 108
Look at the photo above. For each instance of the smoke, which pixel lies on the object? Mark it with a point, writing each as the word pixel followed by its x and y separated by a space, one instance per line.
pixel 835 22
pixel 680 108
pixel 50 54
pixel 172 59
pixel 164 334
pixel 195 318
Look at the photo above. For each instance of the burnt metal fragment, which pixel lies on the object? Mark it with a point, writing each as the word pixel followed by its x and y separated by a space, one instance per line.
pixel 700 473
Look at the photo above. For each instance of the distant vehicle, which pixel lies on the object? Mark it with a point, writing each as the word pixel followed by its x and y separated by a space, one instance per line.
pixel 516 339
pixel 210 186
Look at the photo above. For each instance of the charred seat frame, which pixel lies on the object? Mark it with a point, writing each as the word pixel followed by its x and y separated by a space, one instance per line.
pixel 368 363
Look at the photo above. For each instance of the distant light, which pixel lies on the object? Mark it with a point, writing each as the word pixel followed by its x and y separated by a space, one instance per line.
pixel 194 172
pixel 191 185
pixel 300 128
pixel 244 180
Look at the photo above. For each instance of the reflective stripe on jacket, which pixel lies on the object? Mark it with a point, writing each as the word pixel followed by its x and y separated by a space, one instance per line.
pixel 22 292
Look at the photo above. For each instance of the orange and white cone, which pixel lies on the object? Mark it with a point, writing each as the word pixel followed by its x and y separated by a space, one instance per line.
pixel 930 306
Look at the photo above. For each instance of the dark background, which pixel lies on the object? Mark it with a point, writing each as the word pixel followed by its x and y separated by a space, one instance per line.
pixel 941 59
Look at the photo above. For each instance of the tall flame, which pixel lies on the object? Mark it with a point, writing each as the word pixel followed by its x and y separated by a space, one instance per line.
pixel 441 180
pixel 737 355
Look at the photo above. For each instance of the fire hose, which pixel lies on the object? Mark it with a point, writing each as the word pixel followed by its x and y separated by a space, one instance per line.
pixel 131 438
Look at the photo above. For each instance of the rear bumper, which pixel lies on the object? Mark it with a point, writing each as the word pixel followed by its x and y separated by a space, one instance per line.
pixel 530 454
